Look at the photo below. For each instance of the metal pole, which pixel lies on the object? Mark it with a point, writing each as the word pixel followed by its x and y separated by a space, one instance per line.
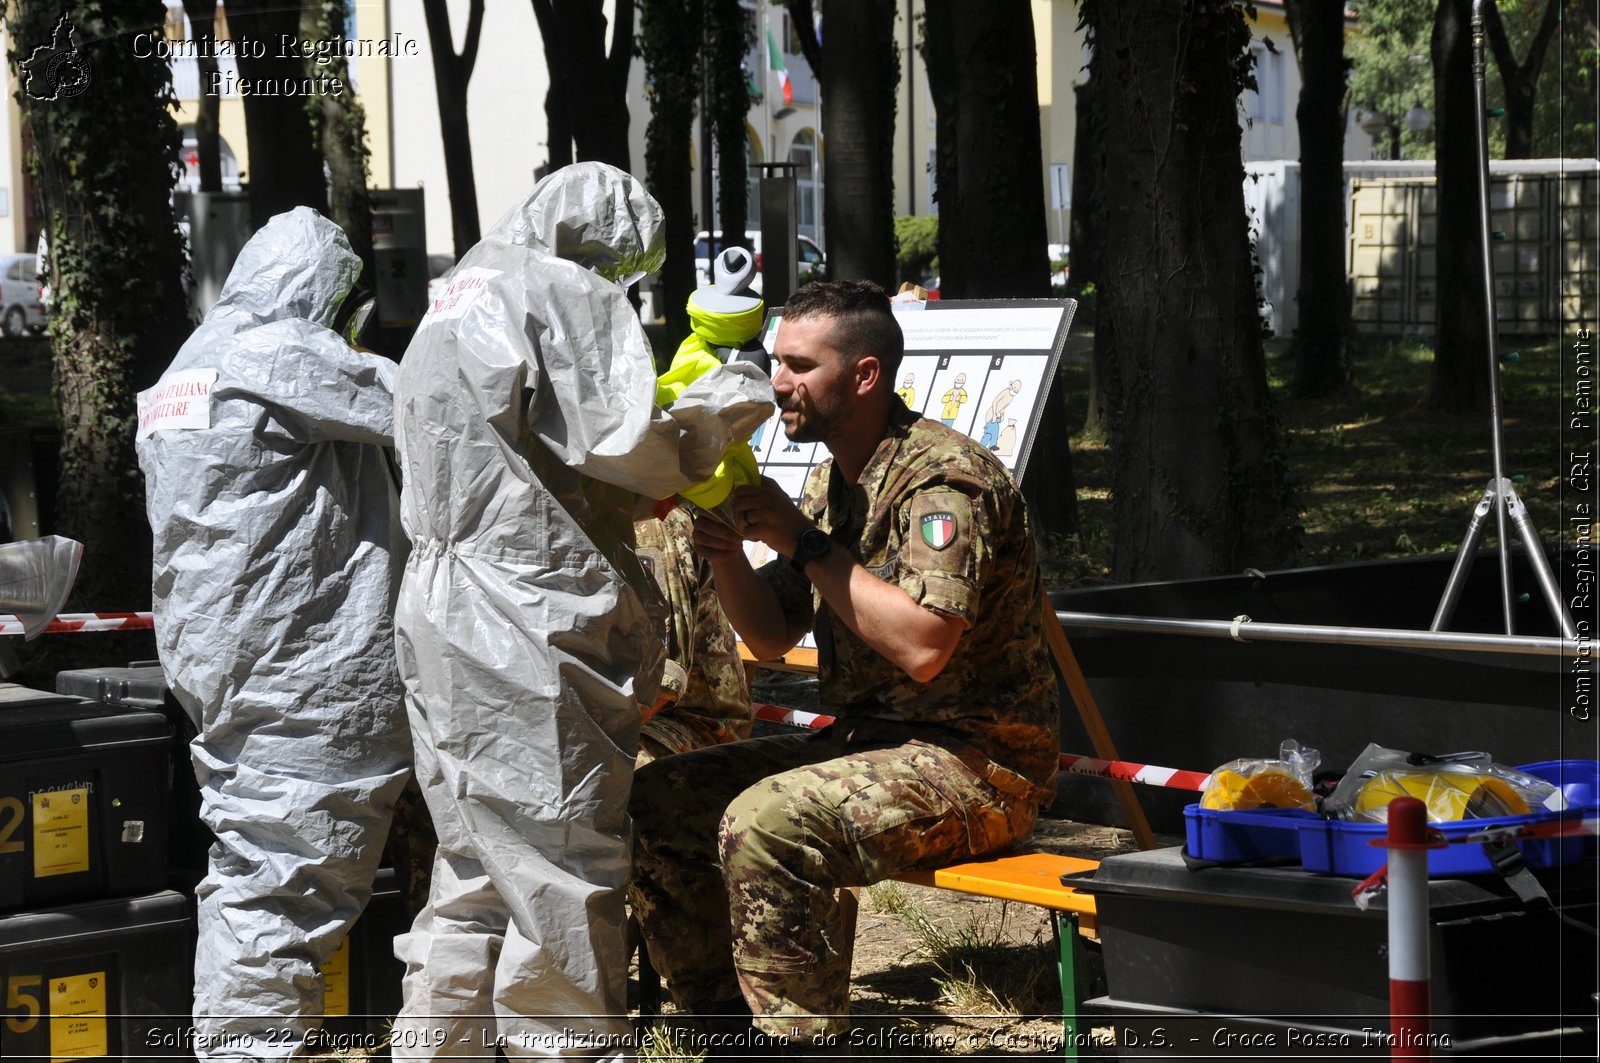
pixel 1491 317
pixel 1408 929
pixel 1244 629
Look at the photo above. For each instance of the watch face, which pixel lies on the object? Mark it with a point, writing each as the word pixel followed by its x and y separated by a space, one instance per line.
pixel 814 543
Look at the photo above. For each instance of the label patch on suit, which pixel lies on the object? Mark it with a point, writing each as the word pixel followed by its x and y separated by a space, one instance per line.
pixel 181 400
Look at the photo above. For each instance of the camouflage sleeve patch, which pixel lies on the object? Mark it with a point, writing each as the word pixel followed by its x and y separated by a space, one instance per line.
pixel 943 548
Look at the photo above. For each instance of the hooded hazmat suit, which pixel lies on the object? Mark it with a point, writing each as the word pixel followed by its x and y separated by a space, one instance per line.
pixel 528 433
pixel 271 496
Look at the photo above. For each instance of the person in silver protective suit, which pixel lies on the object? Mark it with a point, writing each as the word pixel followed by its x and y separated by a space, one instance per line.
pixel 271 494
pixel 528 434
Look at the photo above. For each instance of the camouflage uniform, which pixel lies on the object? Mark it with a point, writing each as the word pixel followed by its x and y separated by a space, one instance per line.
pixel 704 676
pixel 739 849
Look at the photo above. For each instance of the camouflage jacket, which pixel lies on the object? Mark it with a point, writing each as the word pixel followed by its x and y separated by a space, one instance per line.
pixel 712 702
pixel 937 515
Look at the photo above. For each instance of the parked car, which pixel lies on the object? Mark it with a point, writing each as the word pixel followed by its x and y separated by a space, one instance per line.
pixel 21 308
pixel 811 257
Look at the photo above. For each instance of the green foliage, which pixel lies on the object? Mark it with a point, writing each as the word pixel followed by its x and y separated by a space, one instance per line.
pixel 1392 69
pixel 917 245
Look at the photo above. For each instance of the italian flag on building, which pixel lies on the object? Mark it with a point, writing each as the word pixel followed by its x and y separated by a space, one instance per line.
pixel 775 60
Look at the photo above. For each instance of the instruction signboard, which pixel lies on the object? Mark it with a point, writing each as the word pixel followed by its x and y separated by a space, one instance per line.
pixel 982 367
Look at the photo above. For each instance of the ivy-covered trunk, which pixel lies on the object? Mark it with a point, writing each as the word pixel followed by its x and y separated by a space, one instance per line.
pixel 670 42
pixel 1198 481
pixel 339 128
pixel 105 153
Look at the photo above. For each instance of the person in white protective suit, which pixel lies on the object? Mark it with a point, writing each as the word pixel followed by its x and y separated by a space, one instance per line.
pixel 528 435
pixel 271 494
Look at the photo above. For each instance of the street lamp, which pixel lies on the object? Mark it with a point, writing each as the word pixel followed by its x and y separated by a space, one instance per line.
pixel 1418 119
pixel 1373 125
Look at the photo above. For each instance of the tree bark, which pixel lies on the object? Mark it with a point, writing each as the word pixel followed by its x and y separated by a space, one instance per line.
pixel 106 158
pixel 586 105
pixel 1461 380
pixel 670 41
pixel 1521 80
pixel 340 124
pixel 1321 363
pixel 859 72
pixel 729 33
pixel 992 238
pixel 202 16
pixel 285 163
pixel 1088 166
pixel 1198 484
pixel 452 72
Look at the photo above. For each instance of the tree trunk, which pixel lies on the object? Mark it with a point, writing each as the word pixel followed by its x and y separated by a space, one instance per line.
pixel 859 72
pixel 207 140
pixel 1521 80
pixel 1321 365
pixel 992 235
pixel 1088 166
pixel 729 33
pixel 285 163
pixel 1461 377
pixel 1198 482
pixel 670 42
pixel 340 123
pixel 106 158
pixel 586 105
pixel 451 73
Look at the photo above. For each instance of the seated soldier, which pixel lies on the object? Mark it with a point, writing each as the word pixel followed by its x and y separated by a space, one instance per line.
pixel 911 557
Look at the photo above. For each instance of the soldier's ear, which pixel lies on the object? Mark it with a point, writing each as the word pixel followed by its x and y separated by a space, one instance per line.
pixel 868 371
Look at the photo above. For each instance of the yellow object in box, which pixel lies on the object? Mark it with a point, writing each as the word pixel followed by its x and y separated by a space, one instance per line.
pixel 1449 795
pixel 1230 791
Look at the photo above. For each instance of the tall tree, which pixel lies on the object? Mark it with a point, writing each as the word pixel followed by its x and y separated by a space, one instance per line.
pixel 202 16
pixel 1321 364
pixel 1520 79
pixel 452 71
pixel 670 41
pixel 1199 486
pixel 1461 379
pixel 586 106
pixel 285 160
pixel 858 71
pixel 105 153
pixel 1088 168
pixel 730 31
pixel 981 63
pixel 339 127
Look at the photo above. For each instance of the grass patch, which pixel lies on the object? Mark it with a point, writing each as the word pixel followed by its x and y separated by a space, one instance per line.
pixel 983 969
pixel 1375 473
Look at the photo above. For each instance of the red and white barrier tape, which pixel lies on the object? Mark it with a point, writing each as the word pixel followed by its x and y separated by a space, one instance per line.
pixel 68 622
pixel 1149 774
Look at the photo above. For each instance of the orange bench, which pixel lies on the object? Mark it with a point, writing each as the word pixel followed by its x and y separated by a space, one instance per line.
pixel 1033 878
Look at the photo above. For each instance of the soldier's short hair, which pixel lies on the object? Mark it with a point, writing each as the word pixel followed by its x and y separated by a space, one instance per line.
pixel 863 322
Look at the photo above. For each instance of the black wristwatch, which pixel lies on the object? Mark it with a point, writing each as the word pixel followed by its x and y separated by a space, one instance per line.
pixel 814 544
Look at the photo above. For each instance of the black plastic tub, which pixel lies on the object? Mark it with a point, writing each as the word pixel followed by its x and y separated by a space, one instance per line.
pixel 1195 702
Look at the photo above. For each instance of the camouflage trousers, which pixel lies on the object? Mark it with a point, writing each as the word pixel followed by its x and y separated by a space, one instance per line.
pixel 740 849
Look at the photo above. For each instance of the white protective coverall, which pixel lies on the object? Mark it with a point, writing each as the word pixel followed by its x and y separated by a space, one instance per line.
pixel 272 499
pixel 527 430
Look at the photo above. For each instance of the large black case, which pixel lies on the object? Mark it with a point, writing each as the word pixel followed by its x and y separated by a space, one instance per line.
pixel 83 799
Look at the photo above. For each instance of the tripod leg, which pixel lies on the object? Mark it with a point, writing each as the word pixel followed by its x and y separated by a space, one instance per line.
pixel 1541 564
pixel 1458 574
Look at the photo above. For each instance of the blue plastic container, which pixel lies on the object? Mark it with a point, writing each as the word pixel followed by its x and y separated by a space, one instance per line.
pixel 1243 837
pixel 1338 847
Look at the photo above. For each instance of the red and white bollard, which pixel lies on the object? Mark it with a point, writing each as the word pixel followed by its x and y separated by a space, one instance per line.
pixel 1408 843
